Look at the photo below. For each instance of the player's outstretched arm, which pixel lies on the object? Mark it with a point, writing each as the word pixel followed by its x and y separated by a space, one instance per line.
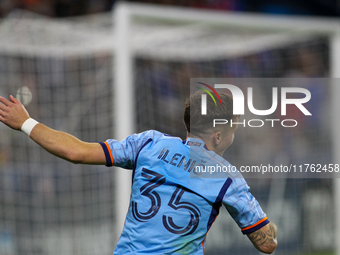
pixel 61 144
pixel 265 239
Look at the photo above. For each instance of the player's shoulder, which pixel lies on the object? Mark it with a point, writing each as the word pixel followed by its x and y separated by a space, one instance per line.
pixel 157 136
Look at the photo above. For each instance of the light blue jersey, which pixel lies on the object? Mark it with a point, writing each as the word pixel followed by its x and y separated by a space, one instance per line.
pixel 170 212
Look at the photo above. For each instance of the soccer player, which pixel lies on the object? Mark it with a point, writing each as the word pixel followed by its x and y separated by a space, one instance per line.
pixel 172 205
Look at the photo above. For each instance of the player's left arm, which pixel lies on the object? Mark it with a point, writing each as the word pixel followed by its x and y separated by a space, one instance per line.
pixel 265 238
pixel 60 144
pixel 248 214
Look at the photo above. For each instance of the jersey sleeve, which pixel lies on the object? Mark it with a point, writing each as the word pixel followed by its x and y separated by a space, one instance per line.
pixel 243 207
pixel 123 153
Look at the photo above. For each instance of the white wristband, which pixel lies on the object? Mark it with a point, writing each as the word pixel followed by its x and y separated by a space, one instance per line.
pixel 28 125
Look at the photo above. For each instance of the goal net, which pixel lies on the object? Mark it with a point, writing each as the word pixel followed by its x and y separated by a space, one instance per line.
pixel 96 84
pixel 47 205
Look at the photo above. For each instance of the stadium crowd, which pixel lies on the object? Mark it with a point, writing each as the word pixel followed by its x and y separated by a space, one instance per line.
pixel 67 8
pixel 165 81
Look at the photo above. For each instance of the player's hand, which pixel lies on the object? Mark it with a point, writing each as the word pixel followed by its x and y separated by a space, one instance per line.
pixel 12 112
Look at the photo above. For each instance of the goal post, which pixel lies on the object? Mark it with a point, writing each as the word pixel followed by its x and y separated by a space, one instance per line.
pixel 124 107
pixel 335 106
pixel 178 25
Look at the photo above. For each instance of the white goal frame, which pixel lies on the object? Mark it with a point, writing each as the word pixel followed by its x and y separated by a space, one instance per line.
pixel 124 119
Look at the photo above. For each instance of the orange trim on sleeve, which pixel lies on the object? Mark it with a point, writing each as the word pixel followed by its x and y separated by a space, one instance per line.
pixel 257 223
pixel 109 150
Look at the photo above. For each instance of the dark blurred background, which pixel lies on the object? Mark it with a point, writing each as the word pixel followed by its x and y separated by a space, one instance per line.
pixel 67 8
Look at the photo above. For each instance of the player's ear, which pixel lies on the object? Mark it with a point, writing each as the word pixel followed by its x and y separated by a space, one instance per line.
pixel 217 137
